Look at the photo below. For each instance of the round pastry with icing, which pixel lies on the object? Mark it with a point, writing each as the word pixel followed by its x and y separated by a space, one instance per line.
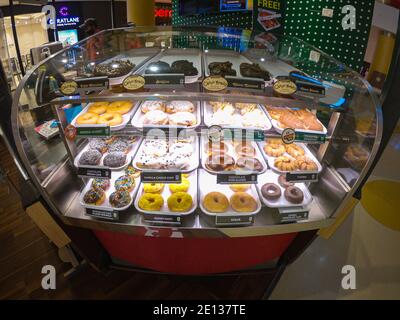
pixel 186 119
pixel 216 202
pixel 155 117
pixel 151 202
pixel 98 144
pixel 90 158
pixel 124 183
pixel 153 187
pixel 115 159
pixel 180 202
pixel 180 106
pixel 243 202
pixel 119 146
pixel 181 187
pixel 103 184
pixel 110 119
pixel 88 118
pixel 153 147
pixel 120 107
pixel 181 148
pixel 120 199
pixel 95 196
pixel 148 106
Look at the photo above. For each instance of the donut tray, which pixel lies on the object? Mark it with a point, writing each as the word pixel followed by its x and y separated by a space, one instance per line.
pixel 190 54
pixel 209 121
pixel 106 204
pixel 125 119
pixel 282 202
pixel 208 183
pixel 271 160
pixel 231 151
pixel 132 151
pixel 193 159
pixel 280 130
pixel 137 120
pixel 166 193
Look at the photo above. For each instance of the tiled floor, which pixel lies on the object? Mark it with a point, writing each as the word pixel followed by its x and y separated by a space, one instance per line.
pixel 361 241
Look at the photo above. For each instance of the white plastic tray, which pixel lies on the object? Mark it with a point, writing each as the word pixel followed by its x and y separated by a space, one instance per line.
pixel 106 204
pixel 271 160
pixel 209 121
pixel 137 120
pixel 208 183
pixel 129 156
pixel 194 159
pixel 280 130
pixel 232 153
pixel 166 193
pixel 192 55
pixel 125 119
pixel 271 177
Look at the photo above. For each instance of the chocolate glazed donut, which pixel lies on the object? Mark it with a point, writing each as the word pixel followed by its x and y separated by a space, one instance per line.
pixel 271 191
pixel 294 195
pixel 250 164
pixel 220 162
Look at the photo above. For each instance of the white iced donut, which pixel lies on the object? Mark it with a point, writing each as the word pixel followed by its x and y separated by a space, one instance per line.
pixel 156 117
pixel 182 119
pixel 180 106
pixel 181 148
pixel 152 106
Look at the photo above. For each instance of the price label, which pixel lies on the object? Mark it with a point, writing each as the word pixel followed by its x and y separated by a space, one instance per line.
pixel 293 214
pixel 162 218
pixel 94 172
pixel 243 134
pixel 92 84
pixel 310 137
pixel 221 220
pixel 236 179
pixel 256 85
pixel 164 80
pixel 103 214
pixel 99 131
pixel 161 177
pixel 302 177
pixel 310 89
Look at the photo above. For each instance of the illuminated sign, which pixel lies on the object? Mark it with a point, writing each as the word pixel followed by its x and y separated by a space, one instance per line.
pixel 63 11
pixel 69 21
pixel 163 13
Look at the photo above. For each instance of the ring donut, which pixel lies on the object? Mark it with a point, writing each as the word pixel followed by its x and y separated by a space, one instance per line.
pixel 271 191
pixel 110 119
pixel 87 118
pixel 216 202
pixel 98 107
pixel 180 202
pixel 151 202
pixel 294 195
pixel 121 107
pixel 243 202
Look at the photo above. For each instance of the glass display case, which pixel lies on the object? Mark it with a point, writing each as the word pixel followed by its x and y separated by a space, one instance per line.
pixel 179 133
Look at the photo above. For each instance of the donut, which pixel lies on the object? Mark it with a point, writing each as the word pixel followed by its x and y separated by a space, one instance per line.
pixel 120 199
pixel 151 202
pixel 124 183
pixel 90 158
pixel 216 148
pixel 180 202
pixel 153 147
pixel 243 202
pixel 181 187
pixel 110 119
pixel 177 161
pixel 182 119
pixel 132 172
pixel 216 202
pixel 306 164
pixel 95 196
pixel 119 146
pixel 220 163
pixel 295 150
pixel 271 191
pixel 285 164
pixel 274 141
pixel 181 148
pixel 284 183
pixel 153 187
pixel 245 150
pixel 155 117
pixel 289 120
pixel 120 107
pixel 87 118
pixel 110 140
pixel 249 164
pixel 103 184
pixel 179 106
pixel 115 159
pixel 294 195
pixel 152 105
pixel 98 144
pixel 239 187
pixel 274 150
pixel 98 107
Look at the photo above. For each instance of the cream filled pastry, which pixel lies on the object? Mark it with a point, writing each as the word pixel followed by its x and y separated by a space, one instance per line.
pixel 179 106
pixel 182 119
pixel 155 117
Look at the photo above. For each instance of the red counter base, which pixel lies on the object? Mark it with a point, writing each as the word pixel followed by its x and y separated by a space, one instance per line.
pixel 191 256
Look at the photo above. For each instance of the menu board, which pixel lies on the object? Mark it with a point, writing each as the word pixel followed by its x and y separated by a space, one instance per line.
pixel 268 16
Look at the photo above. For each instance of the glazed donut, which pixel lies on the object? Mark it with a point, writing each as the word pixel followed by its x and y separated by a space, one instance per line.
pixel 98 107
pixel 87 118
pixel 295 150
pixel 124 183
pixel 103 184
pixel 220 163
pixel 285 164
pixel 239 187
pixel 245 150
pixel 180 202
pixel 284 183
pixel 95 196
pixel 110 119
pixel 249 164
pixel 271 191
pixel 243 202
pixel 306 164
pixel 153 187
pixel 216 202
pixel 151 202
pixel 294 195
pixel 181 187
pixel 120 198
pixel 274 150
pixel 120 107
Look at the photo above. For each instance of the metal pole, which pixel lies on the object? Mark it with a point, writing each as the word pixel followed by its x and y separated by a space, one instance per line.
pixel 53 3
pixel 14 30
pixel 112 14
